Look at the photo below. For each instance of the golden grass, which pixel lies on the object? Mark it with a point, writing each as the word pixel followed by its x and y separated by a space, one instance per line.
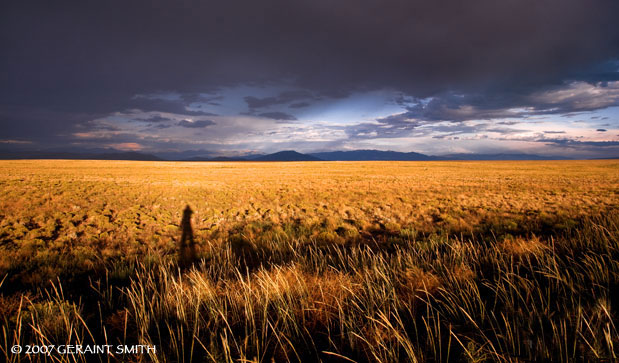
pixel 523 246
pixel 351 261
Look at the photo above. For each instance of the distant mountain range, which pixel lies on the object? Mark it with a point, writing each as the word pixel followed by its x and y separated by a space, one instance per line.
pixel 366 155
pixel 216 158
pixel 287 155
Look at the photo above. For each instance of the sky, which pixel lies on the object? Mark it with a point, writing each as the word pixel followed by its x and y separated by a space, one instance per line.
pixel 238 77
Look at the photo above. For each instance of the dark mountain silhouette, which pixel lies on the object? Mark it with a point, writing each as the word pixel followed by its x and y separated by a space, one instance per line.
pixel 288 155
pixel 366 155
pixel 202 155
pixel 217 158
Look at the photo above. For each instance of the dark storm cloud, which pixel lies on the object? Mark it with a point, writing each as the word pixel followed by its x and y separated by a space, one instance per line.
pixel 154 119
pixel 299 105
pixel 565 99
pixel 255 102
pixel 148 104
pixel 396 126
pixel 105 127
pixel 389 127
pixel 196 97
pixel 68 62
pixel 106 137
pixel 602 148
pixel 199 124
pixel 278 116
pixel 282 98
pixel 39 125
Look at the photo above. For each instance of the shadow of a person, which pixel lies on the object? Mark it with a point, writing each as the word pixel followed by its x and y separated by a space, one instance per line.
pixel 186 247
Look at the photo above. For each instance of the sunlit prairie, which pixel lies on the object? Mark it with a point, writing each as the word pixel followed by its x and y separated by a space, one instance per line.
pixel 362 261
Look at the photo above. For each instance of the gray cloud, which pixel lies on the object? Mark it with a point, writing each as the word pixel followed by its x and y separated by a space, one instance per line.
pixel 608 146
pixel 149 104
pixel 382 129
pixel 100 126
pixel 198 124
pixel 278 116
pixel 211 99
pixel 401 126
pixel 283 98
pixel 154 119
pixel 565 99
pixel 299 105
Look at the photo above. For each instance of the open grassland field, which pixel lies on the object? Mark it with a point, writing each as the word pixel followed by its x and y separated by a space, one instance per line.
pixel 314 261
